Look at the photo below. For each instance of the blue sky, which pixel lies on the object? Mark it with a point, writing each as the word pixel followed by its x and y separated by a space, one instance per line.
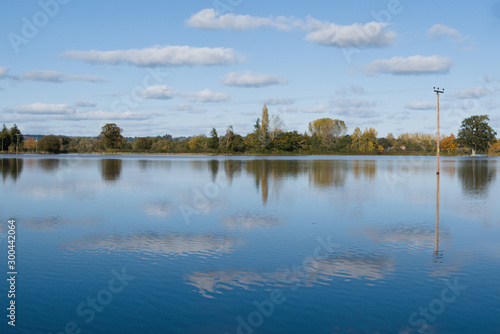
pixel 182 67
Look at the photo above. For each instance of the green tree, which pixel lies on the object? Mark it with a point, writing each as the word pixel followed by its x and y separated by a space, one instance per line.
pixel 5 138
pixel 16 137
pixel 476 133
pixel 111 136
pixel 213 142
pixel 50 143
pixel 142 144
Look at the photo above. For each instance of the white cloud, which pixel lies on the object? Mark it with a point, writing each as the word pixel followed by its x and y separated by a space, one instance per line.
pixel 352 104
pixel 250 79
pixel 84 104
pixel 209 19
pixel 157 56
pixel 413 65
pixel 160 92
pixel 473 93
pixel 421 105
pixel 316 109
pixel 188 108
pixel 371 34
pixel 206 96
pixel 439 30
pixel 42 109
pixel 3 71
pixel 278 101
pixel 54 76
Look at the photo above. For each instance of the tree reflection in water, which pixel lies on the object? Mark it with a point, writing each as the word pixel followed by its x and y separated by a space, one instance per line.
pixel 11 168
pixel 111 169
pixel 476 176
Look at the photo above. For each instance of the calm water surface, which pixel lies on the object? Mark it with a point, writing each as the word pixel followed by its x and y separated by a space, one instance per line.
pixel 151 244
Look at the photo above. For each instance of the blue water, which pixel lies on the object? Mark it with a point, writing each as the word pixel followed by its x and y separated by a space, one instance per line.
pixel 183 244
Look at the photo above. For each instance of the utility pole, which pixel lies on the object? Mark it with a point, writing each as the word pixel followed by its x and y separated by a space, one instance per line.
pixel 437 91
pixel 17 146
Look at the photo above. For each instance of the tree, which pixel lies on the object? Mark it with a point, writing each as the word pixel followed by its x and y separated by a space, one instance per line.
pixel 385 143
pixel 264 125
pixel 142 144
pixel 111 136
pixel 264 128
pixel 197 143
pixel 448 144
pixel 213 142
pixel 390 138
pixel 50 143
pixel 356 143
pixel 5 138
pixel 16 137
pixel 228 138
pixel 277 126
pixel 495 148
pixel 30 144
pixel 328 130
pixel 476 133
pixel 369 141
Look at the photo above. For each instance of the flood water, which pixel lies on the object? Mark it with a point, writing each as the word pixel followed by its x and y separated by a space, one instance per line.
pixel 183 244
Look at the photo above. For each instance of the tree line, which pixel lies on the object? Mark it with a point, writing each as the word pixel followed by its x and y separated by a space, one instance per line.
pixel 324 136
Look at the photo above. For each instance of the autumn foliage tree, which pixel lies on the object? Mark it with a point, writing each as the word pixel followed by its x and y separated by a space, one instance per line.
pixel 111 136
pixel 448 144
pixel 328 131
pixel 30 144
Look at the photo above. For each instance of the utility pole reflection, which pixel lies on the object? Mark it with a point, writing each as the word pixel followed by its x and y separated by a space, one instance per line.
pixel 438 256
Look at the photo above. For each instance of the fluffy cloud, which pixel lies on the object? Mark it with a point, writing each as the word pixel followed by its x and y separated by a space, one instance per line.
pixel 439 30
pixel 84 104
pixel 277 101
pixel 209 19
pixel 413 65
pixel 42 109
pixel 3 71
pixel 473 93
pixel 157 56
pixel 54 76
pixel 424 105
pixel 206 95
pixel 371 34
pixel 160 92
pixel 250 79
